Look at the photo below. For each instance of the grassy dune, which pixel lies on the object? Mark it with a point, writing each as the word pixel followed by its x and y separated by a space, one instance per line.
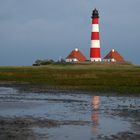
pixel 93 77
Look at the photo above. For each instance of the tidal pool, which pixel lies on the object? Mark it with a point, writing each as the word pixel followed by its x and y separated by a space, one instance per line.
pixel 67 115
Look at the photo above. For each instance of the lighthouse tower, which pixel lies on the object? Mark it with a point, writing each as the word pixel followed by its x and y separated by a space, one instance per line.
pixel 95 38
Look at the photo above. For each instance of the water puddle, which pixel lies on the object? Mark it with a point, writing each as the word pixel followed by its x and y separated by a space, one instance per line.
pixel 69 116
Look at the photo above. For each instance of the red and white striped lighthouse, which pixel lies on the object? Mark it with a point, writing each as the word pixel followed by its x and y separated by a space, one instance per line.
pixel 95 38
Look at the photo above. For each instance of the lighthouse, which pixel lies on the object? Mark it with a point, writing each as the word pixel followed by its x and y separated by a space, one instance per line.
pixel 95 55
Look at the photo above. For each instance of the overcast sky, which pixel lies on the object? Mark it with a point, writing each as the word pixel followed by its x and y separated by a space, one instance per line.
pixel 41 29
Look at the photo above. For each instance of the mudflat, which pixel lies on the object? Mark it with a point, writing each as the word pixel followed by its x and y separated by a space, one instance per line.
pixel 67 114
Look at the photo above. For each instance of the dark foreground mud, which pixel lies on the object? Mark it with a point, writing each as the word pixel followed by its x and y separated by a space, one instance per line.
pixel 121 136
pixel 22 128
pixel 60 115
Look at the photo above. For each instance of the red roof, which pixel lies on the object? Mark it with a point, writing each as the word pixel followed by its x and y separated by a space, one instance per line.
pixel 113 54
pixel 76 54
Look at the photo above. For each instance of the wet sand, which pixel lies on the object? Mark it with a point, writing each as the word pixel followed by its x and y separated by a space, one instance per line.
pixel 70 115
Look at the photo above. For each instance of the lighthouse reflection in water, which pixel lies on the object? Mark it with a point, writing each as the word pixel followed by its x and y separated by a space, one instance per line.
pixel 95 113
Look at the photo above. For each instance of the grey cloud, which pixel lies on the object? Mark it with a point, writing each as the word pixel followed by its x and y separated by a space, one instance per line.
pixel 47 28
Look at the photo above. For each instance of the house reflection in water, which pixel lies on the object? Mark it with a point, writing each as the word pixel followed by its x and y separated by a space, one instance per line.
pixel 95 113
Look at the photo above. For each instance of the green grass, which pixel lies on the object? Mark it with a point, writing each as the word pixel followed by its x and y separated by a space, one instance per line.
pixel 93 77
